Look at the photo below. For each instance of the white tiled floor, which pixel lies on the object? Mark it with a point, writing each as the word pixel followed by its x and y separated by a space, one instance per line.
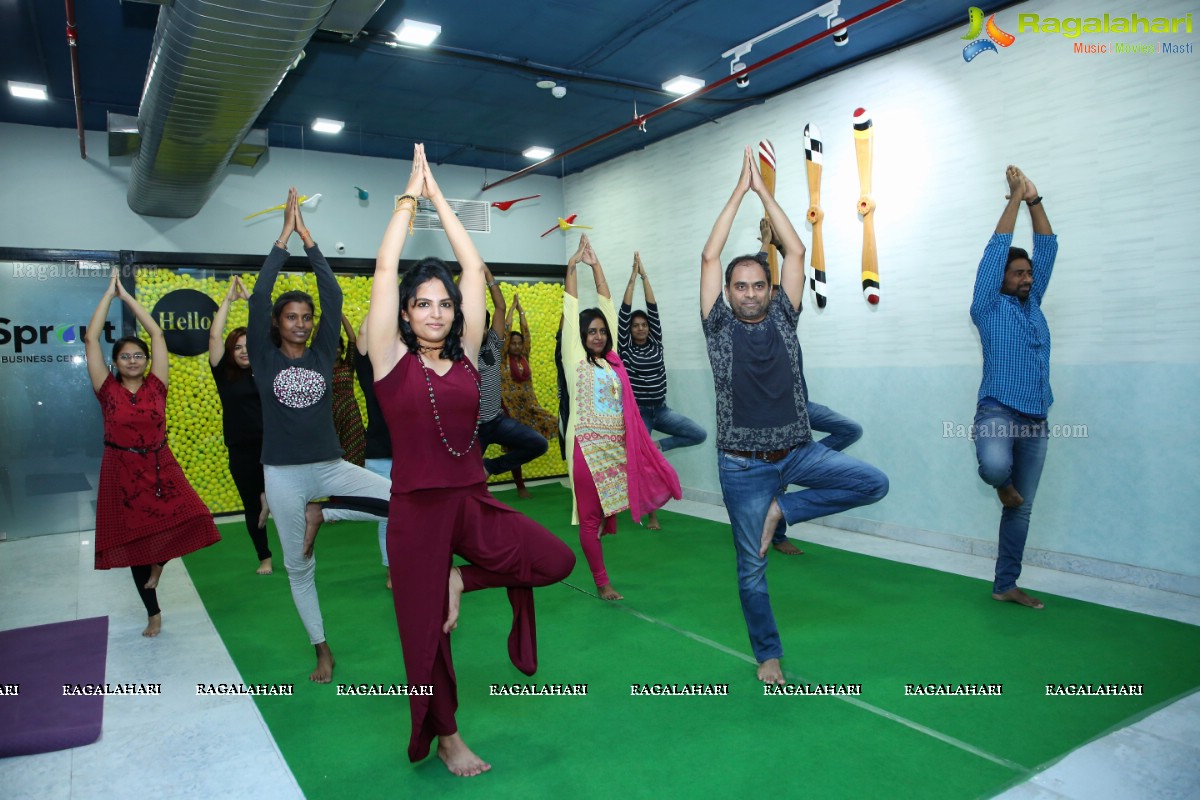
pixel 220 747
pixel 173 745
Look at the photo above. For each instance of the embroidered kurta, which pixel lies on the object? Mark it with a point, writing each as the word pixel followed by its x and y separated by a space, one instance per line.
pixel 649 479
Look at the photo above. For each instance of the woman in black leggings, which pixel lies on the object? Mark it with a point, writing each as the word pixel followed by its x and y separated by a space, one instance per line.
pixel 230 363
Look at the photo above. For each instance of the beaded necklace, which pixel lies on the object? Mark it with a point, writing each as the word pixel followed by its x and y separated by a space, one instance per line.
pixel 437 418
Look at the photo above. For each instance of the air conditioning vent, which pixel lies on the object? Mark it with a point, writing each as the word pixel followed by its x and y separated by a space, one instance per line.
pixel 475 215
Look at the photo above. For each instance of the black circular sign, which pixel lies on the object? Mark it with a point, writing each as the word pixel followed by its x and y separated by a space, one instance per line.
pixel 186 316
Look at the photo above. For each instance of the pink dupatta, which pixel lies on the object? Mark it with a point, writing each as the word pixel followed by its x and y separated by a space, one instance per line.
pixel 652 479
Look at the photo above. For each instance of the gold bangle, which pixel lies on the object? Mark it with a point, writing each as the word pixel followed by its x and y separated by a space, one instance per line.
pixel 401 202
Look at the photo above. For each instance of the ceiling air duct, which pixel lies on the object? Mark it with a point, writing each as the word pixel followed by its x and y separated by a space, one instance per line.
pixel 213 68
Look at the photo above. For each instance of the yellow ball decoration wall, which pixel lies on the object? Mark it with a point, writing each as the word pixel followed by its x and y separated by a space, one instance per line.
pixel 194 415
pixel 543 311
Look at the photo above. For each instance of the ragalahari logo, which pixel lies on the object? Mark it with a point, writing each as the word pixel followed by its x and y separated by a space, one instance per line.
pixel 994 37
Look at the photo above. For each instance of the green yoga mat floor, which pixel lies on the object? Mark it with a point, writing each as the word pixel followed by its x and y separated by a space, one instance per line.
pixel 844 618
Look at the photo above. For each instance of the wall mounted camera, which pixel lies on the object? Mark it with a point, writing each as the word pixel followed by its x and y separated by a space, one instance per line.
pixel 841 35
pixel 340 247
pixel 742 81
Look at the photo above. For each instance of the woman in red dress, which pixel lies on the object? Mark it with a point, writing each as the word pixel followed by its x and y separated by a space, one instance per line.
pixel 423 342
pixel 146 511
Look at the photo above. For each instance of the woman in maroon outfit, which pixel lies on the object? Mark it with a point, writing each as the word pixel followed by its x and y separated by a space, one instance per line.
pixel 423 342
pixel 146 511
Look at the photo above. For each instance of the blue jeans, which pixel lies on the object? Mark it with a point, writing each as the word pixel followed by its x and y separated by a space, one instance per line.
pixel 381 466
pixel 523 442
pixel 682 431
pixel 1011 449
pixel 842 431
pixel 835 482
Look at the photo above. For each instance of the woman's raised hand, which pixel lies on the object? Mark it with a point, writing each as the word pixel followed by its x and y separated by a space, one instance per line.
pixel 432 191
pixel 289 216
pixel 301 228
pixel 416 178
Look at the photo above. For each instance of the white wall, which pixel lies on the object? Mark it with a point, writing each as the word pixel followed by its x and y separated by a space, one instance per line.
pixel 54 199
pixel 1110 141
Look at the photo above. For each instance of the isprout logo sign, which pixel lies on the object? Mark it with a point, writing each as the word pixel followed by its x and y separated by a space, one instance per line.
pixel 35 336
pixel 995 36
pixel 185 316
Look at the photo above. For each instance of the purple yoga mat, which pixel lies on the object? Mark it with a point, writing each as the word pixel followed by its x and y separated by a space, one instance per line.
pixel 39 661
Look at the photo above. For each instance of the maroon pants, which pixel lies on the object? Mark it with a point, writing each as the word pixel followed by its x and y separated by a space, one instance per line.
pixel 503 547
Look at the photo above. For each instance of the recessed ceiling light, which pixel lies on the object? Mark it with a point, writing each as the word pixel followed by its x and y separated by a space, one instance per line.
pixel 682 84
pixel 546 84
pixel 328 125
pixel 538 153
pixel 421 34
pixel 29 91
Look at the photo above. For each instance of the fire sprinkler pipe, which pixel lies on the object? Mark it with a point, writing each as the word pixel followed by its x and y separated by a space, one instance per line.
pixel 73 44
pixel 638 121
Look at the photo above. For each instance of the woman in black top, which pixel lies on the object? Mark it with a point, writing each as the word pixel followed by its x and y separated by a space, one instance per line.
pixel 242 412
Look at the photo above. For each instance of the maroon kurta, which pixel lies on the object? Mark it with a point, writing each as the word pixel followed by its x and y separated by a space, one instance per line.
pixel 441 507
pixel 146 511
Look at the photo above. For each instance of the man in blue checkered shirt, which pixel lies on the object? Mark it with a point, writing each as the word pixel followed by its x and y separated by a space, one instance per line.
pixel 1014 396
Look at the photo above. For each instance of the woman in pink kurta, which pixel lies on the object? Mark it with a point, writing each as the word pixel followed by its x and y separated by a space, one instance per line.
pixel 613 463
pixel 423 342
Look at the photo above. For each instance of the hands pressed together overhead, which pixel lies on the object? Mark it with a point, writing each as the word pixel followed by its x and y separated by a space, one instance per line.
pixel 1019 185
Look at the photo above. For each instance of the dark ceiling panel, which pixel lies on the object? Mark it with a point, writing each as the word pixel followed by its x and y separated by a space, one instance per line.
pixel 472 96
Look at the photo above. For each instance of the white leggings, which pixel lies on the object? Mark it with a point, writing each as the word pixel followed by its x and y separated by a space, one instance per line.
pixel 289 490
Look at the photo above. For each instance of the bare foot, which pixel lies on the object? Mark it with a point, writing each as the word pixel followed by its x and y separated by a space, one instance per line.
pixel 312 526
pixel 264 567
pixel 524 493
pixel 324 671
pixel 769 671
pixel 774 514
pixel 458 757
pixel 155 574
pixel 389 582
pixel 1015 595
pixel 1010 497
pixel 653 524
pixel 153 626
pixel 607 592
pixel 787 548
pixel 266 512
pixel 456 590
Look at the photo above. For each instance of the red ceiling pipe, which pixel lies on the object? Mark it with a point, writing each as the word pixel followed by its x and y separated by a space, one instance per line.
pixel 637 121
pixel 73 43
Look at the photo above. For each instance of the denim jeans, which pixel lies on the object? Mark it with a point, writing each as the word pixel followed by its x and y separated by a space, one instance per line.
pixel 836 482
pixel 1011 449
pixel 381 466
pixel 523 442
pixel 682 431
pixel 842 431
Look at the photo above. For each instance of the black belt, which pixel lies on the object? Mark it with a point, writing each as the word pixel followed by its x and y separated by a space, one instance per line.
pixel 769 456
pixel 142 451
